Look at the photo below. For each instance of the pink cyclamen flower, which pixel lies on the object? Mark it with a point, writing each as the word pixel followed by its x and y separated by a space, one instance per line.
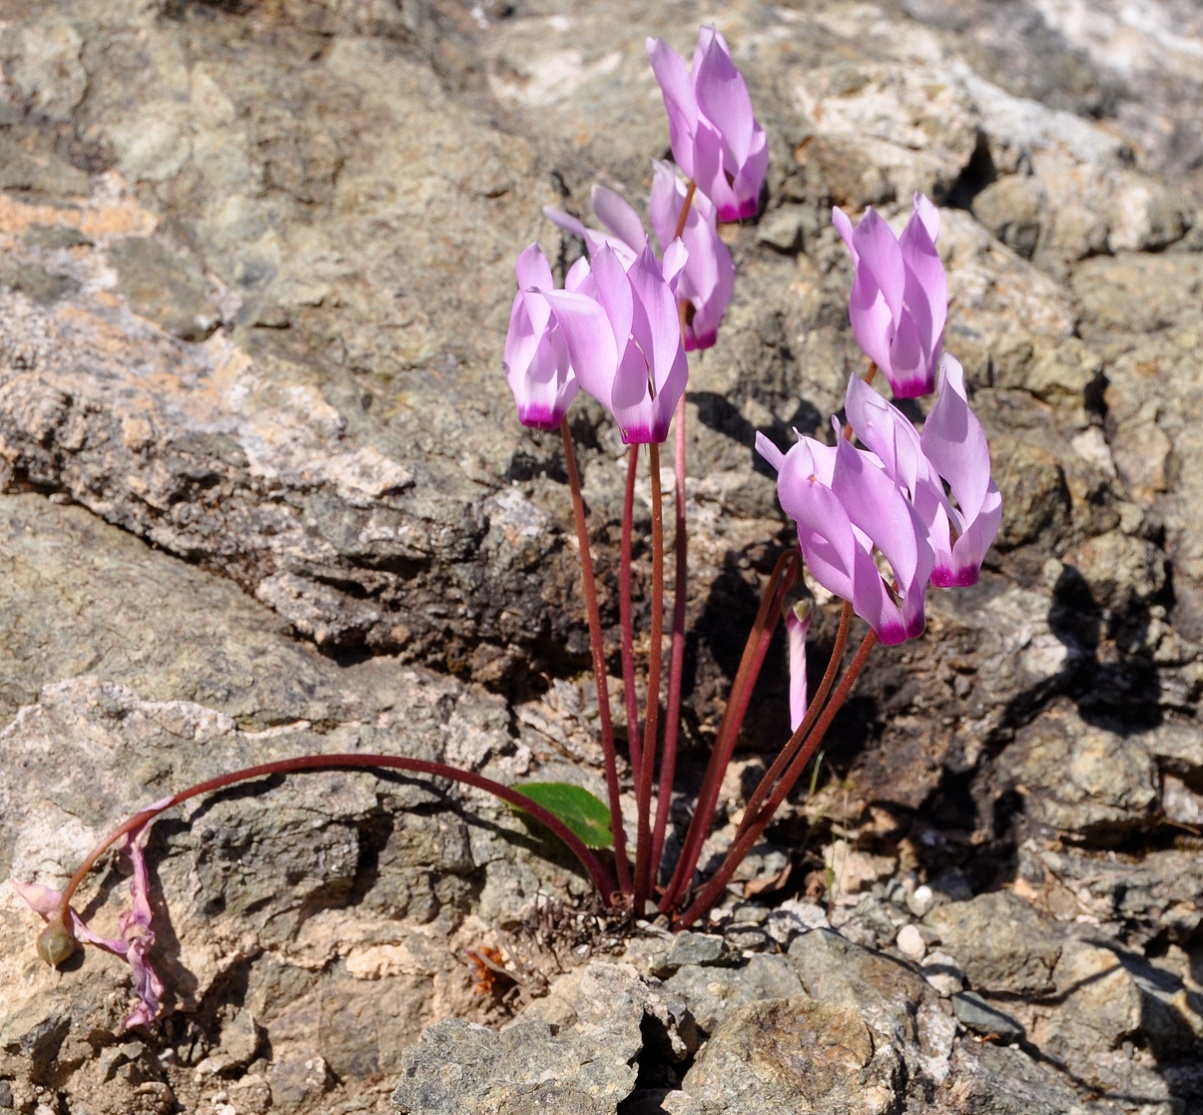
pixel 624 338
pixel 952 452
pixel 715 138
pixel 707 280
pixel 846 507
pixel 899 298
pixel 536 358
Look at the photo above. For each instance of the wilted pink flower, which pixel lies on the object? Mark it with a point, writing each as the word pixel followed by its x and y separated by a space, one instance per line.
pixel 715 138
pixel 707 280
pixel 624 338
pixel 846 506
pixel 137 937
pixel 899 298
pixel 536 358
pixel 951 451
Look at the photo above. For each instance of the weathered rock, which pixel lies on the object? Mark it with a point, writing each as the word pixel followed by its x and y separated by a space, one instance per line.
pixel 713 993
pixel 1083 779
pixel 582 1062
pixel 791 1055
pixel 999 942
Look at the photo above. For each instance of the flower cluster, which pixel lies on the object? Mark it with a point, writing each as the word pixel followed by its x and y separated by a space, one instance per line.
pixel 610 335
pixel 926 502
pixel 890 498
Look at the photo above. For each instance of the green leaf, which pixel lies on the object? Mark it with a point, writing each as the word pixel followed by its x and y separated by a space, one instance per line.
pixel 584 814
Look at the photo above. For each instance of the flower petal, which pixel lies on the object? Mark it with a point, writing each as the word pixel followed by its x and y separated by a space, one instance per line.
pixel 590 341
pixel 680 102
pixel 722 95
pixel 954 441
pixel 879 255
pixel 615 212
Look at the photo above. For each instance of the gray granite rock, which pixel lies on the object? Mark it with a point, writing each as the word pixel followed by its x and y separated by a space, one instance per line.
pixel 999 942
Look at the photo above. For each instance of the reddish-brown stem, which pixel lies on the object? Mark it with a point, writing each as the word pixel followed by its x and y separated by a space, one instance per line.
pixel 624 610
pixel 597 871
pixel 744 843
pixel 589 586
pixel 676 658
pixel 784 574
pixel 684 214
pixel 812 714
pixel 651 718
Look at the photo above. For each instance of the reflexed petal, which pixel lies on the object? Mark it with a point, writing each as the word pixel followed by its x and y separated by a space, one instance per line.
pixel 879 254
pixel 594 240
pixel 147 986
pixel 878 507
pixel 679 101
pixel 769 451
pixel 533 270
pixel 887 432
pixel 710 171
pixel 662 341
pixel 676 256
pixel 844 227
pixel 721 93
pixel 928 214
pixel 664 204
pixel 926 292
pixel 909 368
pixel 41 899
pixel 708 281
pixel 536 357
pixel 969 551
pixel 577 274
pixel 631 402
pixel 954 442
pixel 614 293
pixel 590 340
pixel 616 214
pixel 870 317
pixel 751 175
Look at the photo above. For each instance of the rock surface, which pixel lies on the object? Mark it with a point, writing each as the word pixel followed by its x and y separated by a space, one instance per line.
pixel 263 493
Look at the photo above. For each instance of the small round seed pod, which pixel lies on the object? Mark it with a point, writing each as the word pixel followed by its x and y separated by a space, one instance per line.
pixel 56 943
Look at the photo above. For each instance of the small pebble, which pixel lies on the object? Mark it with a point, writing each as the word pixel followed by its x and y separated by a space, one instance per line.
pixel 910 943
pixel 943 973
pixel 920 900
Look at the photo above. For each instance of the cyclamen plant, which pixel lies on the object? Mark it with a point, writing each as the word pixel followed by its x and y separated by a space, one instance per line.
pixel 881 494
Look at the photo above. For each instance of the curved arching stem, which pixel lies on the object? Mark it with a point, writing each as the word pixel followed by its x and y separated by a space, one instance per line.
pixel 597 871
